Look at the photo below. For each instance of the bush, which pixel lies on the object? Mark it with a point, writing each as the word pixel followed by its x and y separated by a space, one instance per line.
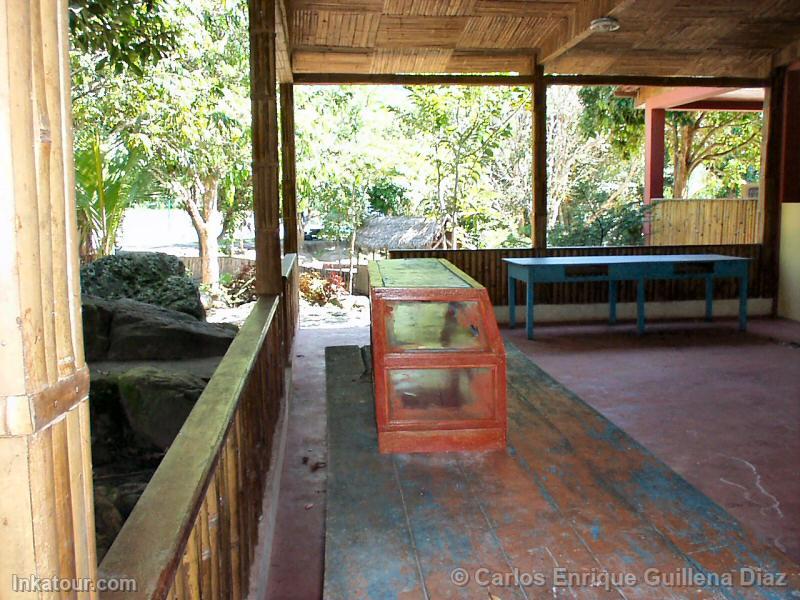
pixel 319 290
pixel 241 287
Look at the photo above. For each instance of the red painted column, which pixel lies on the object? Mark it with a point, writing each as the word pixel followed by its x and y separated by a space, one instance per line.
pixel 654 119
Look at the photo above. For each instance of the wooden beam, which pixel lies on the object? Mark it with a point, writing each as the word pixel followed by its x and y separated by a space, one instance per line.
pixel 389 79
pixel 266 201
pixel 576 28
pixel 789 54
pixel 539 131
pixel 790 152
pixel 659 97
pixel 723 105
pixel 290 230
pixel 771 159
pixel 283 43
pixel 643 80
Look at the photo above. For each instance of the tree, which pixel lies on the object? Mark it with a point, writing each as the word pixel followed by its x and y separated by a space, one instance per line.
pixel 724 142
pixel 510 176
pixel 122 34
pixel 200 127
pixel 604 204
pixel 187 114
pixel 107 181
pixel 459 129
pixel 710 138
pixel 388 198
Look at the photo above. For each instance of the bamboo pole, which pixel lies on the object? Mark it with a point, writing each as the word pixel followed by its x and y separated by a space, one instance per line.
pixel 290 229
pixel 771 157
pixel 266 202
pixel 539 133
pixel 46 508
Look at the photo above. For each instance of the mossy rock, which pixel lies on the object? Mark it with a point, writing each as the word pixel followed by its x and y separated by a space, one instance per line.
pixel 157 402
pixel 152 277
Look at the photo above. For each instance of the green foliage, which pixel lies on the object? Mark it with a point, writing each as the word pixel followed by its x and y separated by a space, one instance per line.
pixel 725 144
pixel 595 217
pixel 185 112
pixel 458 131
pixel 122 34
pixel 108 181
pixel 612 117
pixel 388 198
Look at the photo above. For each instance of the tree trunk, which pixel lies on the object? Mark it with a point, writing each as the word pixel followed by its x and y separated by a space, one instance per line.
pixel 683 161
pixel 207 222
pixel 350 265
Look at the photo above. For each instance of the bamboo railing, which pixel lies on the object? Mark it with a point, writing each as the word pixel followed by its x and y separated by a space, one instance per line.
pixel 705 221
pixel 194 531
pixel 290 269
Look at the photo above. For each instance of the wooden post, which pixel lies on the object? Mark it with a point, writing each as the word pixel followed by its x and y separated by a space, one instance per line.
pixel 290 231
pixel 266 201
pixel 771 161
pixel 46 506
pixel 654 120
pixel 539 131
pixel 790 151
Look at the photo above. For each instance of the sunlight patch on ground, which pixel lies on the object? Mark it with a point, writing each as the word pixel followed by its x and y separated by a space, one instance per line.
pixel 354 312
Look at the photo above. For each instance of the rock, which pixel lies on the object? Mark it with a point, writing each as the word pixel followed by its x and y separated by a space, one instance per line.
pixel 128 495
pixel 157 402
pixel 152 277
pixel 108 420
pixel 108 520
pixel 97 314
pixel 141 331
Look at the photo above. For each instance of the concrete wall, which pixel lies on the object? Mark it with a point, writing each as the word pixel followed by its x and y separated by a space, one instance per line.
pixel 789 288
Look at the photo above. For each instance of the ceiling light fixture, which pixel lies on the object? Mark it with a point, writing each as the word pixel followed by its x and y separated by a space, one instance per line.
pixel 604 25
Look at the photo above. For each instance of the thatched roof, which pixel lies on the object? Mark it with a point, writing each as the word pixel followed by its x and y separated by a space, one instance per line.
pixel 398 233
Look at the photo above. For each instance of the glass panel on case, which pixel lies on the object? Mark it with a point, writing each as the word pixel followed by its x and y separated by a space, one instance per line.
pixel 443 394
pixel 424 325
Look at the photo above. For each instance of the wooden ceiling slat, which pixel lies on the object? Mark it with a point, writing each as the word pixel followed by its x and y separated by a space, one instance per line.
pixel 419 32
pixel 361 6
pixel 483 62
pixel 429 8
pixel 659 37
pixel 405 61
pixel 525 8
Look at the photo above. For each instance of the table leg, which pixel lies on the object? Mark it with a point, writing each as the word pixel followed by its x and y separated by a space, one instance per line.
pixel 743 301
pixel 640 305
pixel 512 302
pixel 709 297
pixel 612 301
pixel 529 305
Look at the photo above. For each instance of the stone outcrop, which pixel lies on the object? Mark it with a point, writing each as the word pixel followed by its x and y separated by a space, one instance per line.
pixel 151 277
pixel 126 330
pixel 156 402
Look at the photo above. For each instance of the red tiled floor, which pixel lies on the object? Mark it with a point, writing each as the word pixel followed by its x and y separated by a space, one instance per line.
pixel 719 407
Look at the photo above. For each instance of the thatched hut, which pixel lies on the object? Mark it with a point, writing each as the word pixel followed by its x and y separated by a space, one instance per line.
pixel 398 233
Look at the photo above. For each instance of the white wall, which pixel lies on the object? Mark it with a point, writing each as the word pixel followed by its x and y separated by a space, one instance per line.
pixel 789 286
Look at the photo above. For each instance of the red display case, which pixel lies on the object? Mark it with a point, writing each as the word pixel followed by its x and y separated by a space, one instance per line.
pixel 438 358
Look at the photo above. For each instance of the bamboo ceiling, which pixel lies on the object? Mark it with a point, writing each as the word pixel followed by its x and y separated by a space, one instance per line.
pixel 736 38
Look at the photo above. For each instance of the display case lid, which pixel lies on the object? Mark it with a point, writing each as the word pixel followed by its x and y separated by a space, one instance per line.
pixel 418 273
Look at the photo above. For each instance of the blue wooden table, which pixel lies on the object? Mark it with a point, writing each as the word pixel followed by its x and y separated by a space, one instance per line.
pixel 614 269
